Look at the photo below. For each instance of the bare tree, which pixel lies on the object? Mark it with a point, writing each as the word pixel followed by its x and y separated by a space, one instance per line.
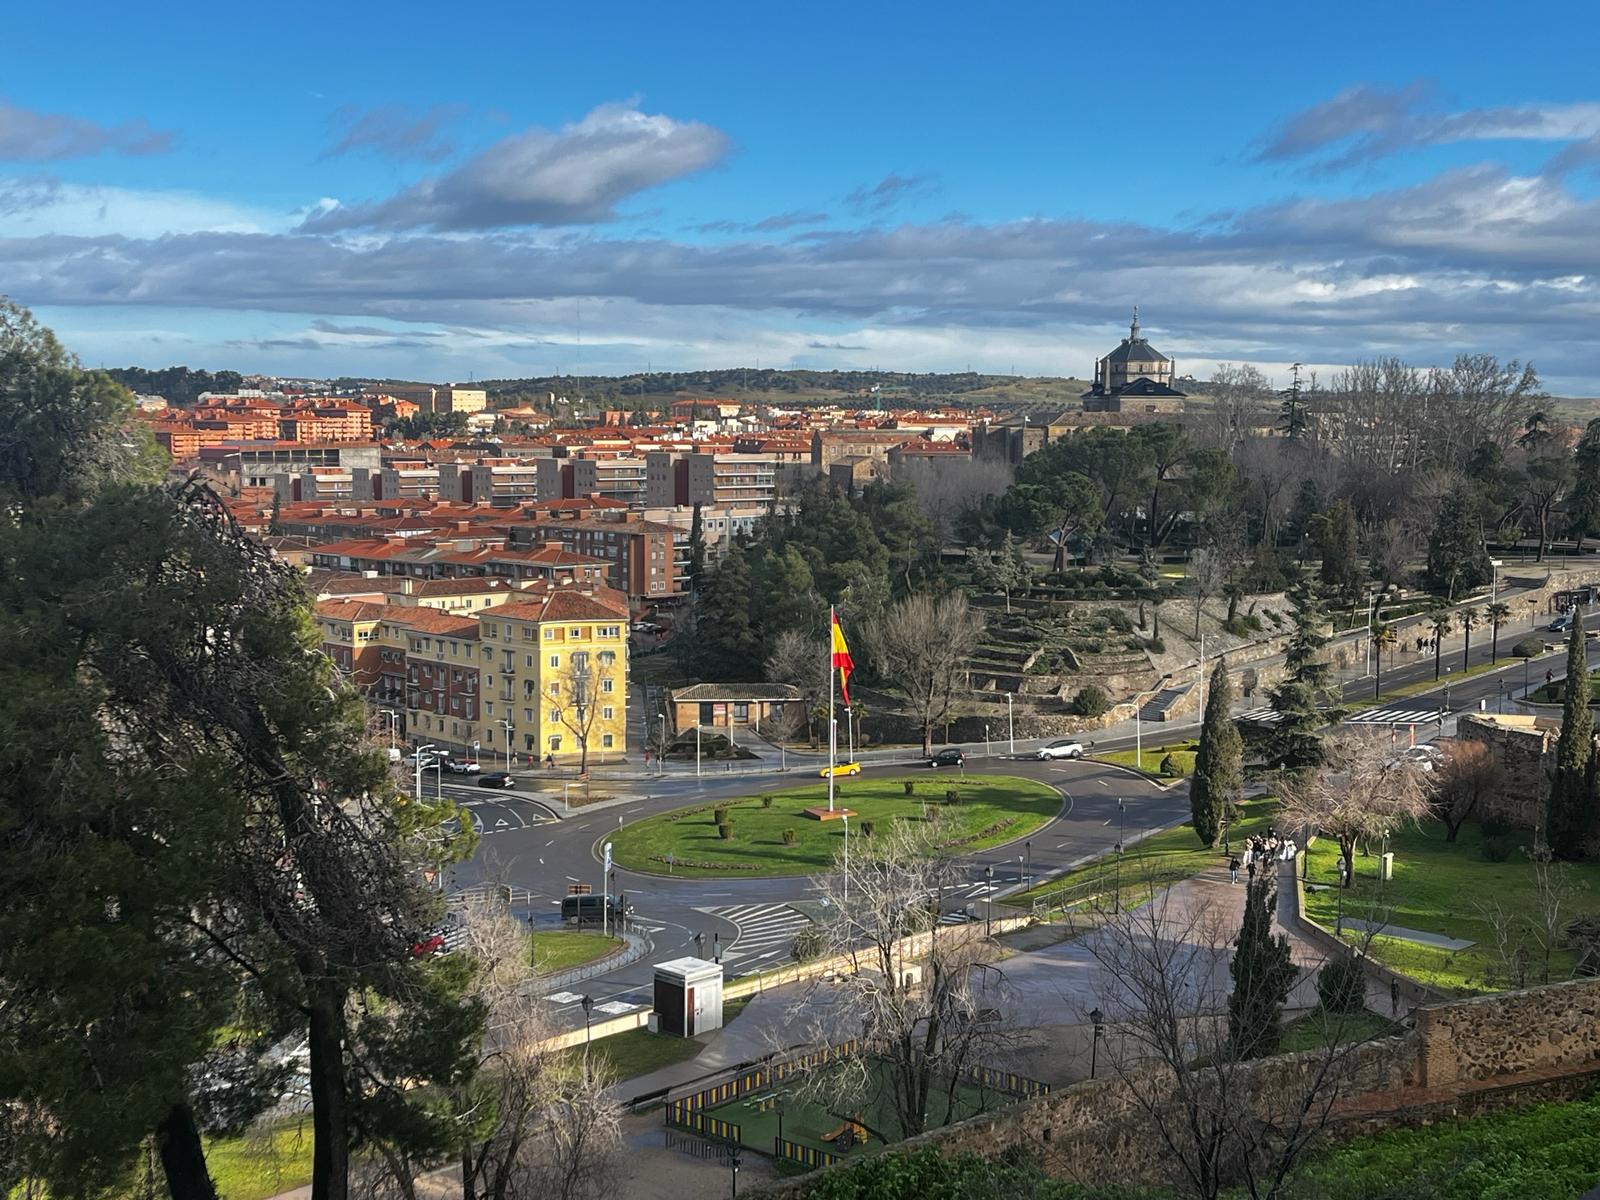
pixel 1241 401
pixel 924 643
pixel 1207 575
pixel 579 695
pixel 1222 1119
pixel 1361 792
pixel 1464 778
pixel 803 662
pixel 925 1001
pixel 945 489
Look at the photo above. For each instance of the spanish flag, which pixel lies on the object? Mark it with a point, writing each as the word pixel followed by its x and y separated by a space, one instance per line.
pixel 841 658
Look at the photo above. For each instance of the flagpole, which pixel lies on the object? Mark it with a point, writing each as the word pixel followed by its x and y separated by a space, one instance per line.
pixel 833 729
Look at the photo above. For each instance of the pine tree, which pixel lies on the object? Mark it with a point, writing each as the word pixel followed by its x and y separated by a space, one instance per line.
pixel 1335 534
pixel 1569 809
pixel 1457 560
pixel 726 645
pixel 1297 742
pixel 1214 787
pixel 697 550
pixel 1262 974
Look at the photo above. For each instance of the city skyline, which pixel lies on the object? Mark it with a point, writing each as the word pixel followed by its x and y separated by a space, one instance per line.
pixel 566 193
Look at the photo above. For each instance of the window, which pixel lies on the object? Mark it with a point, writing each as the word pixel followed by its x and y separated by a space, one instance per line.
pixel 555 741
pixel 555 689
pixel 606 740
pixel 549 635
pixel 555 660
pixel 555 714
pixel 489 628
pixel 705 713
pixel 607 713
pixel 741 712
pixel 527 715
pixel 527 633
pixel 529 661
pixel 488 708
pixel 606 685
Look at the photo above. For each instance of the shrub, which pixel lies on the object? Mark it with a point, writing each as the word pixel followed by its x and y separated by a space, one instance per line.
pixel 910 785
pixel 868 828
pixel 719 815
pixel 1156 645
pixel 1170 767
pixel 1499 849
pixel 1496 827
pixel 766 801
pixel 1528 647
pixel 952 796
pixel 808 944
pixel 1583 939
pixel 1342 986
pixel 725 830
pixel 790 837
pixel 1272 616
pixel 1090 702
pixel 1115 620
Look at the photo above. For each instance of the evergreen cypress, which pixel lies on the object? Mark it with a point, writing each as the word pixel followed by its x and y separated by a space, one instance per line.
pixel 1569 809
pixel 726 645
pixel 1214 787
pixel 1262 974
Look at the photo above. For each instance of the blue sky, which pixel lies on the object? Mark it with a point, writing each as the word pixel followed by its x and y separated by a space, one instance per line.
pixel 521 189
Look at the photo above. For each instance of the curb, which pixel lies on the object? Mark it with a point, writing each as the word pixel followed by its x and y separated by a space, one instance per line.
pixel 1166 785
pixel 636 947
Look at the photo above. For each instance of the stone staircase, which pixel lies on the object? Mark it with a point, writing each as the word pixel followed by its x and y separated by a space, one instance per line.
pixel 1159 707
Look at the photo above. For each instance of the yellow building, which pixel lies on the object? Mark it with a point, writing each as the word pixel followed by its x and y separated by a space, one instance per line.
pixel 556 676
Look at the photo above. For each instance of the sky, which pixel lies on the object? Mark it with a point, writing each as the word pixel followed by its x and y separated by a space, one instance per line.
pixel 493 190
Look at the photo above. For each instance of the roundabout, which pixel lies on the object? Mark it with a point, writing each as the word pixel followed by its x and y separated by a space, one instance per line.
pixel 773 833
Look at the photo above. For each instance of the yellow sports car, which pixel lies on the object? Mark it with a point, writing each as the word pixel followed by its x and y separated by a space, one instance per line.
pixel 849 768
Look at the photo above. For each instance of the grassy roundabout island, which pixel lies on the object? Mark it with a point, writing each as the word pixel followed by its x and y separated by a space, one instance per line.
pixel 991 809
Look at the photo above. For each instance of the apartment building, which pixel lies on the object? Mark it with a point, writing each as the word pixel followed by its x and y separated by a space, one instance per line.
pixel 717 477
pixel 649 561
pixel 442 677
pixel 556 675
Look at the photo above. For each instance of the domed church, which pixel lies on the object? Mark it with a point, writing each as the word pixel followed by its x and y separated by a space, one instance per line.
pixel 1135 375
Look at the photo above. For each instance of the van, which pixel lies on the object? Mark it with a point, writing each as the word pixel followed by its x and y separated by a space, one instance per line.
pixel 590 910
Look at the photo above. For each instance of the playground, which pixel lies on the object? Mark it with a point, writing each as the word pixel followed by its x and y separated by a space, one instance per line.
pixel 816 1120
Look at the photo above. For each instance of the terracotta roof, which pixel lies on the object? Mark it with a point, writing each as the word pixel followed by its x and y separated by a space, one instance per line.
pixel 564 604
pixel 736 691
pixel 434 620
pixel 352 610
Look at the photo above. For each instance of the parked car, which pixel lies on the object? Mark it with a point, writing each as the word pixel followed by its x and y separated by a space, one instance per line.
pixel 1061 750
pixel 1424 757
pixel 948 758
pixel 592 910
pixel 1561 624
pixel 498 779
pixel 431 944
pixel 849 768
pixel 465 766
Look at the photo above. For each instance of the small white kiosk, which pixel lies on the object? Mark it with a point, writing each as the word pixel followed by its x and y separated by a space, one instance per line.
pixel 688 997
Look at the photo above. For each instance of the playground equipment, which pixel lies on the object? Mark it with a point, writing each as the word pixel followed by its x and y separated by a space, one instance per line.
pixel 849 1135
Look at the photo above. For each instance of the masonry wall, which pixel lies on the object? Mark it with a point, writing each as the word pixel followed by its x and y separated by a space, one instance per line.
pixel 1526 758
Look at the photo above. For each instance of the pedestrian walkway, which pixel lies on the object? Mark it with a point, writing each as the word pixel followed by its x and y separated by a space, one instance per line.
pixel 1395 716
pixel 1421 937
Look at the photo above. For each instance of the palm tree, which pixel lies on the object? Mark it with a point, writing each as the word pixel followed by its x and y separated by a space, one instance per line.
pixel 1497 611
pixel 1470 619
pixel 1383 637
pixel 1439 619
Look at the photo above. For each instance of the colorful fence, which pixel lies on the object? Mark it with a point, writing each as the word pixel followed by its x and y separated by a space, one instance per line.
pixel 679 1117
pixel 682 1111
pixel 1008 1082
pixel 806 1156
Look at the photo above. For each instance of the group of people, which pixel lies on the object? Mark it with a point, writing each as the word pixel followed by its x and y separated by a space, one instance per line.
pixel 1261 849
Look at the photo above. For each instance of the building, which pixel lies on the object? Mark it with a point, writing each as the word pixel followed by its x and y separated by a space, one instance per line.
pixel 1135 376
pixel 731 707
pixel 710 477
pixel 442 671
pixel 556 673
pixel 649 561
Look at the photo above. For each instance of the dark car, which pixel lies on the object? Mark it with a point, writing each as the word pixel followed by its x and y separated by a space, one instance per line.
pixel 496 779
pixel 948 758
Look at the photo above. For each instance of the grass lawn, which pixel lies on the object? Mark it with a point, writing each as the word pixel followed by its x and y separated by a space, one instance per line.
pixel 560 950
pixel 1443 887
pixel 993 809
pixel 263 1162
pixel 638 1052
pixel 1313 1030
pixel 1150 758
pixel 1157 862
pixel 1556 692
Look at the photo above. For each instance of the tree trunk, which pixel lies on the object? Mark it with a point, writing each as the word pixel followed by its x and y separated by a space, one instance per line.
pixel 1438 649
pixel 1466 648
pixel 1543 524
pixel 927 736
pixel 183 1158
pixel 1377 673
pixel 1494 643
pixel 330 1111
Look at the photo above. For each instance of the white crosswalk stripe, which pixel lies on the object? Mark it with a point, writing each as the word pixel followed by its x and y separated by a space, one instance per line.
pixel 955 918
pixel 1260 716
pixel 1394 716
pixel 766 932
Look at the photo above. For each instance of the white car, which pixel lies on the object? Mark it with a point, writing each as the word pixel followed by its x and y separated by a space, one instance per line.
pixel 463 766
pixel 1424 757
pixel 1060 750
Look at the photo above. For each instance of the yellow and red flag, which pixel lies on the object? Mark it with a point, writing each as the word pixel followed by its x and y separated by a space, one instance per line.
pixel 842 661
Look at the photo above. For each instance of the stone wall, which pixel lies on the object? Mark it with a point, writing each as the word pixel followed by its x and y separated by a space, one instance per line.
pixel 1462 1057
pixel 1524 746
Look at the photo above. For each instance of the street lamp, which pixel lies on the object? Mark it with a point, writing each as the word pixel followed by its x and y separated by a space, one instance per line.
pixel 1011 729
pixel 506 725
pixel 988 898
pixel 421 755
pixel 1027 849
pixel 1097 1018
pixel 987 752
pixel 588 1003
pixel 393 722
pixel 847 857
pixel 733 1161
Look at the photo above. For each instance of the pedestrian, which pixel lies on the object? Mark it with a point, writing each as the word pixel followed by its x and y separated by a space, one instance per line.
pixel 1233 869
pixel 647 756
pixel 1251 868
pixel 549 762
pixel 1394 996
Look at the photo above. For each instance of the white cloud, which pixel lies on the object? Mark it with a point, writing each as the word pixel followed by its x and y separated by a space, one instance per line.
pixel 33 206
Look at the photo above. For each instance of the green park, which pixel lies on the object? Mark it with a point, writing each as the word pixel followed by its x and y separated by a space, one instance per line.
pixel 773 834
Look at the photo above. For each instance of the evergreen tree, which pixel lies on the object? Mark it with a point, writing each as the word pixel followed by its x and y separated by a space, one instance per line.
pixel 1569 809
pixel 1262 974
pixel 1583 500
pixel 1297 744
pixel 1218 773
pixel 1457 560
pixel 697 549
pixel 726 644
pixel 1335 534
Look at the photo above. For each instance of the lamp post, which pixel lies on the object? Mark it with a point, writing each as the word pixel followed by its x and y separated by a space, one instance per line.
pixel 697 749
pixel 421 755
pixel 733 1162
pixel 1011 728
pixel 847 857
pixel 1027 849
pixel 1097 1019
pixel 987 752
pixel 988 899
pixel 507 726
pixel 588 1003
pixel 392 720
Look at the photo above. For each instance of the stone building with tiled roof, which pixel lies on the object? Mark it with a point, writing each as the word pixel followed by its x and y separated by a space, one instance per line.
pixel 1134 376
